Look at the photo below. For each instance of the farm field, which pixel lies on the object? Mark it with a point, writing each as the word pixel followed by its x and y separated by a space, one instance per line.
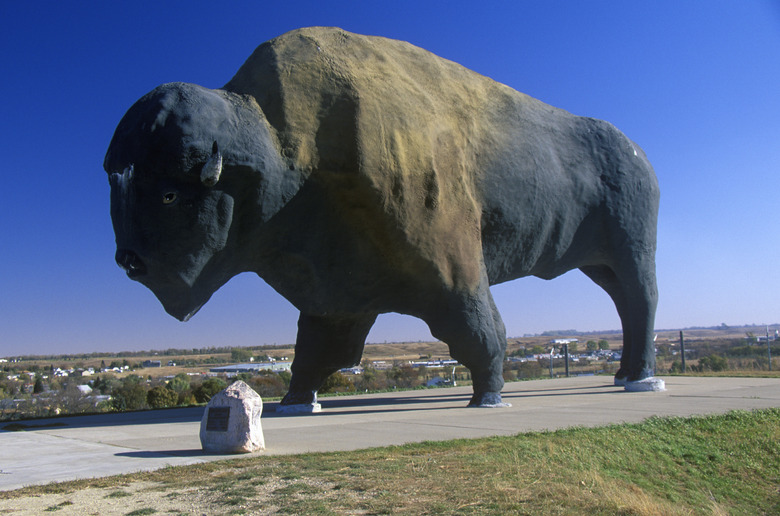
pixel 202 359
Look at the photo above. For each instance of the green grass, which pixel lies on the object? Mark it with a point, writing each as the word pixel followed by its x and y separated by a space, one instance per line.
pixel 723 464
pixel 58 506
pixel 118 494
pixel 142 512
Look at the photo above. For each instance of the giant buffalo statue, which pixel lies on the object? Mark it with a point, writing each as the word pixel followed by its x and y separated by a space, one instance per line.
pixel 359 175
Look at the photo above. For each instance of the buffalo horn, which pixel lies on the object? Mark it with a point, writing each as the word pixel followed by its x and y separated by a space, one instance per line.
pixel 213 167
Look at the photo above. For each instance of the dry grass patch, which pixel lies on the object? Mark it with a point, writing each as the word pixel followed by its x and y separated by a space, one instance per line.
pixel 727 464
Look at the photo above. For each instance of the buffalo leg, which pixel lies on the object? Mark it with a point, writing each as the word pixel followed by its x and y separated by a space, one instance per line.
pixel 472 328
pixel 635 296
pixel 324 345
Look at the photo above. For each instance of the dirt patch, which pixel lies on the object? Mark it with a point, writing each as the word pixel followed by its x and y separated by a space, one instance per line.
pixel 140 498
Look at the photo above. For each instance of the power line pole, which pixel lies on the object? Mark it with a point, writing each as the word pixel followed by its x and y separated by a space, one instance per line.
pixel 768 348
pixel 682 351
pixel 552 353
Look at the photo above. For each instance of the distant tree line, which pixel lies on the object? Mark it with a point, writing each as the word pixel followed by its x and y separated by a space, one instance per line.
pixel 211 350
pixel 42 394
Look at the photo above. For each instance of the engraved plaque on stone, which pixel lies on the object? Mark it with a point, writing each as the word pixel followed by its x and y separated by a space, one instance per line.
pixel 218 419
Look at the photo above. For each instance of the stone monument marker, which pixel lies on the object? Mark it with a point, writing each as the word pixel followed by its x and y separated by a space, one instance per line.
pixel 231 421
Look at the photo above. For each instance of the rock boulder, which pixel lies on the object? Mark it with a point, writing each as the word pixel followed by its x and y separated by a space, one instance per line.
pixel 231 421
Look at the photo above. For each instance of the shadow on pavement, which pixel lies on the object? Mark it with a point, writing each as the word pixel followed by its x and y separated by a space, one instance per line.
pixel 161 454
pixel 331 406
pixel 145 417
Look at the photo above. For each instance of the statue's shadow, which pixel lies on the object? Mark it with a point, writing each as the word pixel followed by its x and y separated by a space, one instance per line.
pixel 333 406
pixel 164 454
pixel 423 401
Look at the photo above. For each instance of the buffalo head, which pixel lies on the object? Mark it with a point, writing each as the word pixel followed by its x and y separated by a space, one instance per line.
pixel 181 163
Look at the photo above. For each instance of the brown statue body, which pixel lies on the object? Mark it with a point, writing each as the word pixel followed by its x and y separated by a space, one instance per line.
pixel 358 176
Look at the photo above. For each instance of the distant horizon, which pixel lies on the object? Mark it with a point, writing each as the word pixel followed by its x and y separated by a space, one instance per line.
pixel 548 333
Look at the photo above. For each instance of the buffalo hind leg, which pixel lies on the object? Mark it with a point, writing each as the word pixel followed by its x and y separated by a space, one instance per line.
pixel 324 345
pixel 472 328
pixel 635 295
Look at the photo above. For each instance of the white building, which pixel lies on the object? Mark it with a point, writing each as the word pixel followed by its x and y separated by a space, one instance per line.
pixel 560 342
pixel 234 369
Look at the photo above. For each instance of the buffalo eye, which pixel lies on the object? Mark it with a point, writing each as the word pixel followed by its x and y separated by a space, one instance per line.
pixel 169 197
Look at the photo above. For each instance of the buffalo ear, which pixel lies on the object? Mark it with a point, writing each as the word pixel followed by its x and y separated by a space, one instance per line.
pixel 213 167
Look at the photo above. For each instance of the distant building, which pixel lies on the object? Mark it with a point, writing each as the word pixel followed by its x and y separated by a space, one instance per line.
pixel 254 367
pixel 434 364
pixel 559 342
pixel 151 363
pixel 85 389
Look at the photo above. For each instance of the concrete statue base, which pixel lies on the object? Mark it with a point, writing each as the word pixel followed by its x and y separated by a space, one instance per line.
pixel 303 408
pixel 651 384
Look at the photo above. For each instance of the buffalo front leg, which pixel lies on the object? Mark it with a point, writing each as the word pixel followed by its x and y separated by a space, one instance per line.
pixel 472 328
pixel 324 345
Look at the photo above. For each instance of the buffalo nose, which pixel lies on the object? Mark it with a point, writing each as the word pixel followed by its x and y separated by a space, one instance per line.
pixel 130 263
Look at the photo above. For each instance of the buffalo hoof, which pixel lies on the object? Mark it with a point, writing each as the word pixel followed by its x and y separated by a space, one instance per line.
pixel 651 384
pixel 488 400
pixel 300 408
pixel 299 402
pixel 645 381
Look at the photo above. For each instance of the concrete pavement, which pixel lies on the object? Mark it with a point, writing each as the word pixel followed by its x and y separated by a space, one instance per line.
pixel 94 446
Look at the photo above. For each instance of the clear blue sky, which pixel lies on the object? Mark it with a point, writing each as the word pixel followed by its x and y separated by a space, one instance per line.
pixel 695 83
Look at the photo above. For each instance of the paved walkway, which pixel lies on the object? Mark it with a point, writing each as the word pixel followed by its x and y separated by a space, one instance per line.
pixel 94 446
